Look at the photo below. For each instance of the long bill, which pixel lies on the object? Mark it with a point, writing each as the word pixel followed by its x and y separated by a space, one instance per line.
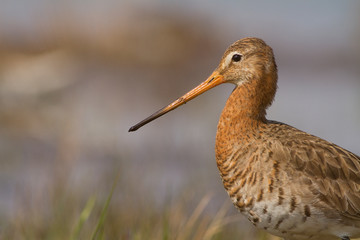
pixel 214 80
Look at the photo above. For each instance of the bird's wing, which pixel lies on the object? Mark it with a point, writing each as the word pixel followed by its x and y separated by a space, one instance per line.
pixel 333 171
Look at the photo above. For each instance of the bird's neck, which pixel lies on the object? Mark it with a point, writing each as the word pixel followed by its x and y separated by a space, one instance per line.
pixel 243 115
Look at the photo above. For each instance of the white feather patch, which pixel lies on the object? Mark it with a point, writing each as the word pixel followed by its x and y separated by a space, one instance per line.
pixel 228 59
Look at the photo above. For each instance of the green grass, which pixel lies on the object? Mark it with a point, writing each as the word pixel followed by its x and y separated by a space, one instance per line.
pixel 62 212
pixel 99 230
pixel 85 214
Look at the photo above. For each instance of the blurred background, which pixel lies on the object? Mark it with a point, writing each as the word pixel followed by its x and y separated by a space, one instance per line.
pixel 75 75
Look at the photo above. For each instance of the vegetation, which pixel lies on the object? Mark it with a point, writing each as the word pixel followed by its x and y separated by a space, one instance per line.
pixel 61 213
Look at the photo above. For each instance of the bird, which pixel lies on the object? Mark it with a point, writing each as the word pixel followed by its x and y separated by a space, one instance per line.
pixel 290 183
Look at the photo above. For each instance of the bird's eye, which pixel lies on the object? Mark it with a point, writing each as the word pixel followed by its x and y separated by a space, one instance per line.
pixel 236 57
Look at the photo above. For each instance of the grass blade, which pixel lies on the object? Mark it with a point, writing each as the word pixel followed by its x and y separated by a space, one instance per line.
pixel 83 217
pixel 99 226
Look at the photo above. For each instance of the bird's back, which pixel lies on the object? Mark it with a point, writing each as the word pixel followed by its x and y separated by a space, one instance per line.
pixel 294 184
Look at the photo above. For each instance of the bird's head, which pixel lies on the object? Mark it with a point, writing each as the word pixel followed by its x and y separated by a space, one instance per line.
pixel 246 60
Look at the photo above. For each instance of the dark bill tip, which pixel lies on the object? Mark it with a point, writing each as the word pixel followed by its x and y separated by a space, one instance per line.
pixel 133 129
pixel 149 119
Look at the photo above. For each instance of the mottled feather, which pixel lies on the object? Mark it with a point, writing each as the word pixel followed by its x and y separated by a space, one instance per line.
pixel 334 171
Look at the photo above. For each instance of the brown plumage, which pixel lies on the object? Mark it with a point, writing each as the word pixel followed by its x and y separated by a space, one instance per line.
pixel 288 182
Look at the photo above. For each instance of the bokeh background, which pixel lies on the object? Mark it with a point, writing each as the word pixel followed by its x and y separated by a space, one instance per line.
pixel 75 75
